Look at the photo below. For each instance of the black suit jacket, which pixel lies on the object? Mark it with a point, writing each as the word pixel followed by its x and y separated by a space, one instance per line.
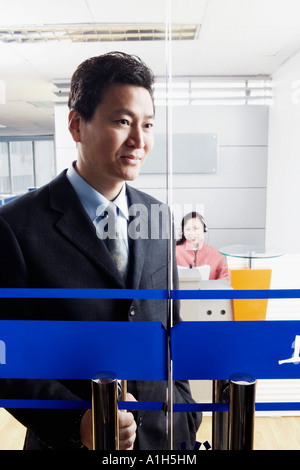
pixel 48 240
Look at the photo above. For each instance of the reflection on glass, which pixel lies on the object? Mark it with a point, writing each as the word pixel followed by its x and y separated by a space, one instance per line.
pixel 44 161
pixel 21 161
pixel 4 169
pixel 235 183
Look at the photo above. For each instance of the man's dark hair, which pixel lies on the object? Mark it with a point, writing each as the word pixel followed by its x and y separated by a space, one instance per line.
pixel 96 74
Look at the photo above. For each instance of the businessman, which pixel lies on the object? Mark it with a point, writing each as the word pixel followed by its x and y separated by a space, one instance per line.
pixel 59 236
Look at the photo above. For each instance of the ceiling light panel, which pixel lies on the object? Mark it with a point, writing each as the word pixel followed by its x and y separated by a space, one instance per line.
pixel 198 90
pixel 96 32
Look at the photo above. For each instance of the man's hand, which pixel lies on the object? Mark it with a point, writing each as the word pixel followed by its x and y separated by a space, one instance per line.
pixel 127 428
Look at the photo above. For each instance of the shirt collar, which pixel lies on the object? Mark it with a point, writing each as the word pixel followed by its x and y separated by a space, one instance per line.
pixel 91 199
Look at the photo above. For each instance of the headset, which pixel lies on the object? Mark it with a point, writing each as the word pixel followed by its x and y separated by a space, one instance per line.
pixel 202 220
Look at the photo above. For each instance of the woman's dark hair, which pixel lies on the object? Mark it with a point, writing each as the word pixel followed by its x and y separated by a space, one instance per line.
pixel 96 74
pixel 186 218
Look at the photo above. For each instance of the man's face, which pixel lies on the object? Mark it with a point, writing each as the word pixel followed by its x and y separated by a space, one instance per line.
pixel 113 145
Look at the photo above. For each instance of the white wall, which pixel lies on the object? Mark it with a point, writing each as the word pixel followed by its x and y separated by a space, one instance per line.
pixel 234 198
pixel 283 193
pixel 282 214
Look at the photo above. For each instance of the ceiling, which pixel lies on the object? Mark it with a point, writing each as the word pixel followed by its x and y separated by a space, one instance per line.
pixel 234 37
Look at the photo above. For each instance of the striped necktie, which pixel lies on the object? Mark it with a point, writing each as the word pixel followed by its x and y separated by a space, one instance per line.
pixel 116 245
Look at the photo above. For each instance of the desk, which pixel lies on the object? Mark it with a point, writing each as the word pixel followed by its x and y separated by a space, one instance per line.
pixel 249 278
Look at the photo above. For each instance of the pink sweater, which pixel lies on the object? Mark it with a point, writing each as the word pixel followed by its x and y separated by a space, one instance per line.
pixel 206 255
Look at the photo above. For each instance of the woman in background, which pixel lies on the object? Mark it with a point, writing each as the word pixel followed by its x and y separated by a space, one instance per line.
pixel 192 251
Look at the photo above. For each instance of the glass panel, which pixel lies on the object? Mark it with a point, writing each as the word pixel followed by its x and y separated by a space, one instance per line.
pixel 182 165
pixel 235 189
pixel 255 119
pixel 82 261
pixel 148 248
pixel 44 161
pixel 21 162
pixel 4 169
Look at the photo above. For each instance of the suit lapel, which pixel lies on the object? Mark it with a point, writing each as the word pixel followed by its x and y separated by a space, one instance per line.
pixel 77 227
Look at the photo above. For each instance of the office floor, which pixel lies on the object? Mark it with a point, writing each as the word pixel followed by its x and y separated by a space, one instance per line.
pixel 270 433
pixel 281 433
